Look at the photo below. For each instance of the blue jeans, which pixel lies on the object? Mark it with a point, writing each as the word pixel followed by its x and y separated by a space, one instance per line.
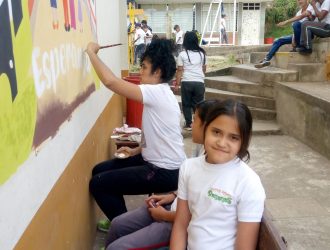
pixel 296 26
pixel 277 44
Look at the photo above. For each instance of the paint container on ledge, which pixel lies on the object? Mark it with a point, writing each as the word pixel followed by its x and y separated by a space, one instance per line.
pixel 134 109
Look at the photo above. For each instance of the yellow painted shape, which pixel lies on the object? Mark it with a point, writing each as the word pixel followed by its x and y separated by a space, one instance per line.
pixel 18 118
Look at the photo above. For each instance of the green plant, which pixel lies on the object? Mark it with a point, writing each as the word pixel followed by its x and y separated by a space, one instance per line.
pixel 280 10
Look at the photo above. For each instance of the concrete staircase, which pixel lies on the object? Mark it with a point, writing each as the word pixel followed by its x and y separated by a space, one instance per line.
pixel 291 96
pixel 253 87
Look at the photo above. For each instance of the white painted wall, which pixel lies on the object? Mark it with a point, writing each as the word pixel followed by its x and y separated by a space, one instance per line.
pixel 23 194
pixel 250 27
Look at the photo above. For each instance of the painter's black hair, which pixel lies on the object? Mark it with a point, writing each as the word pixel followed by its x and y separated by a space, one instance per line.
pixel 243 115
pixel 190 42
pixel 160 54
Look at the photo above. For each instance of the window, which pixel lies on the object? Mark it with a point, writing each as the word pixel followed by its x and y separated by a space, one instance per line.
pixel 251 6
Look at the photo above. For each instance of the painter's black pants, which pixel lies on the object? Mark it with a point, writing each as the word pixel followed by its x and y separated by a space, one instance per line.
pixel 132 176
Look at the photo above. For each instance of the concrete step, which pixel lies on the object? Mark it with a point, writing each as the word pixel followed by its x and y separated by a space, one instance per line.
pixel 249 100
pixel 256 57
pixel 238 85
pixel 265 75
pixel 263 114
pixel 309 72
pixel 283 59
pixel 257 113
pixel 259 127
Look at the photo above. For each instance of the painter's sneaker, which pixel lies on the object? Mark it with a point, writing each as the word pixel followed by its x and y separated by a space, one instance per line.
pixel 261 64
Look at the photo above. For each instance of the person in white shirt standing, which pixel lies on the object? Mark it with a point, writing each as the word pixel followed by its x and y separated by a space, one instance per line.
pixel 191 67
pixel 178 39
pixel 223 32
pixel 148 36
pixel 320 28
pixel 139 42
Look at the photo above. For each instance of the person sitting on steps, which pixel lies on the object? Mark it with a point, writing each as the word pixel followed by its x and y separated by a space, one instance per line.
pixel 320 28
pixel 154 165
pixel 306 12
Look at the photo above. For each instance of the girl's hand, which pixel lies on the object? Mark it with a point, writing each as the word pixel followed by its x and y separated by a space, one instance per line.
pixel 92 48
pixel 158 213
pixel 160 199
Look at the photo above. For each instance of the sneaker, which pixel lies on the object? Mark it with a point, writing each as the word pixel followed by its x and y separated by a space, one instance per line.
pixel 187 127
pixel 293 49
pixel 103 225
pixel 262 64
pixel 305 51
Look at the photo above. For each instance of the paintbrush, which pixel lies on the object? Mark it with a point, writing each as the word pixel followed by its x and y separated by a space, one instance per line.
pixel 110 45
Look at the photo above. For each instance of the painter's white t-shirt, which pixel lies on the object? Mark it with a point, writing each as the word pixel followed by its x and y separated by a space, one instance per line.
pixel 310 9
pixel 219 196
pixel 162 142
pixel 179 35
pixel 324 6
pixel 193 69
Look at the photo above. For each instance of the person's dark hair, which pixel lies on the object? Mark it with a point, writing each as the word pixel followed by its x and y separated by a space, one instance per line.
pixel 223 15
pixel 160 54
pixel 190 42
pixel 144 22
pixel 203 108
pixel 243 115
pixel 154 37
pixel 176 26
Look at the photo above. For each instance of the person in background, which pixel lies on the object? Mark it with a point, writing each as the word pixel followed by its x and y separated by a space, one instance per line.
pixel 178 39
pixel 148 36
pixel 150 226
pixel 305 13
pixel 144 23
pixel 154 165
pixel 139 43
pixel 220 198
pixel 191 68
pixel 320 28
pixel 223 32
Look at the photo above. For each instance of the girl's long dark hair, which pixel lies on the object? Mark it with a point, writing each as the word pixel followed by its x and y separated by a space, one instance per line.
pixel 190 42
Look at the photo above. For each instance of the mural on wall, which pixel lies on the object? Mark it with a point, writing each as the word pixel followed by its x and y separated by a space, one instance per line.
pixel 44 72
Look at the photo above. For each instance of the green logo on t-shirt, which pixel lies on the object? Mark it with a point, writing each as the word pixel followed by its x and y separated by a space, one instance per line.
pixel 220 195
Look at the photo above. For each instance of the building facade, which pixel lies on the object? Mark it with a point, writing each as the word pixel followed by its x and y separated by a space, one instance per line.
pixel 245 23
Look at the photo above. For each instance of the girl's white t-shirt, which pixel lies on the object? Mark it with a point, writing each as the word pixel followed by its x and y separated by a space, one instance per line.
pixel 193 69
pixel 219 196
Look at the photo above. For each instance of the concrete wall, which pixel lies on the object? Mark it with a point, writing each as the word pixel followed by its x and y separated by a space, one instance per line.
pixel 45 203
pixel 304 116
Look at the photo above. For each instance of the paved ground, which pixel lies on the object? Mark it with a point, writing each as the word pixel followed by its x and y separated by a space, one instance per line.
pixel 297 184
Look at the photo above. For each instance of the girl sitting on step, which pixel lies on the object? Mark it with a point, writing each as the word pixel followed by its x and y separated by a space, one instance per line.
pixel 220 198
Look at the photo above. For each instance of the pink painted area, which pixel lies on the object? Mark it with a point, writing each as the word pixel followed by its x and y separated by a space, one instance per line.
pixel 73 14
